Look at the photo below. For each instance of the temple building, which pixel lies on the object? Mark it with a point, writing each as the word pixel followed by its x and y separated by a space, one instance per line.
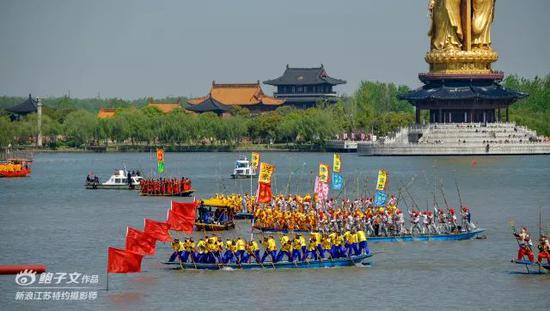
pixel 222 98
pixel 164 107
pixel 463 99
pixel 305 87
pixel 30 105
pixel 106 113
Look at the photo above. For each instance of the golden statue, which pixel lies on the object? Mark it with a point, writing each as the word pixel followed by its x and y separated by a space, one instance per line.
pixel 482 19
pixel 446 30
pixel 461 36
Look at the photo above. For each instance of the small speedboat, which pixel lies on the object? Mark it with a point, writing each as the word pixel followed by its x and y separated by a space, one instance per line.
pixel 243 169
pixel 324 263
pixel 120 180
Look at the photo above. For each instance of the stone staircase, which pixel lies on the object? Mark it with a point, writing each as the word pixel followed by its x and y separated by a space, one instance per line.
pixel 459 139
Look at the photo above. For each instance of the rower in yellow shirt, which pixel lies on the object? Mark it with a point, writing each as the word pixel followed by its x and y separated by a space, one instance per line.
pixel 241 249
pixel 178 248
pixel 270 249
pixel 326 247
pixel 362 242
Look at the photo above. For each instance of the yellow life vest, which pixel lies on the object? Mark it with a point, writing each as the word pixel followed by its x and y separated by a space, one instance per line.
pixel 361 236
pixel 241 245
pixel 326 243
pixel 271 245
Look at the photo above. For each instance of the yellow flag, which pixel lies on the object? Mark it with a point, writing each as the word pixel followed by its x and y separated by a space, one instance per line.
pixel 266 170
pixel 323 172
pixel 336 164
pixel 382 178
pixel 255 160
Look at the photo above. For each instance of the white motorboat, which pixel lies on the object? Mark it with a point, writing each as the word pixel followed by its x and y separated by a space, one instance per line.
pixel 121 179
pixel 243 169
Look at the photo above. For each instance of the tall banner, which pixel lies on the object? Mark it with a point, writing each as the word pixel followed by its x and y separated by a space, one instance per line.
pixel 264 194
pixel 382 179
pixel 255 160
pixel 321 190
pixel 323 172
pixel 336 163
pixel 160 160
pixel 337 181
pixel 266 171
pixel 380 198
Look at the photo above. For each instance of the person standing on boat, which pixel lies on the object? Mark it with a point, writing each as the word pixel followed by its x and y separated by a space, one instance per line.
pixel 452 220
pixel 296 249
pixel 544 249
pixel 431 224
pixel 363 246
pixel 415 221
pixel 467 219
pixel 200 255
pixel 311 249
pixel 525 244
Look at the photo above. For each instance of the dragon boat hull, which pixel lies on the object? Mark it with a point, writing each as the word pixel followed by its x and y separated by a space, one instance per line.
pixel 214 227
pixel 20 173
pixel 314 264
pixel 402 238
pixel 244 216
pixel 533 267
pixel 182 194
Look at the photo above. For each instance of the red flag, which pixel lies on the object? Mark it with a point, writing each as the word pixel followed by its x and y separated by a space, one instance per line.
pixel 140 242
pixel 123 261
pixel 264 193
pixel 157 229
pixel 179 222
pixel 188 209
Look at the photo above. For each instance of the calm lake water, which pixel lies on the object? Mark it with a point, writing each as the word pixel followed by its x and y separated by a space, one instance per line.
pixel 50 218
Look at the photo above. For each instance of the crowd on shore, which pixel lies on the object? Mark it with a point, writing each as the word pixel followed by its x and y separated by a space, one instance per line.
pixel 297 248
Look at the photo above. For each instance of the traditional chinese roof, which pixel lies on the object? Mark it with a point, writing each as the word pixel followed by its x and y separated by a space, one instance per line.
pixel 222 96
pixel 164 107
pixel 462 90
pixel 28 106
pixel 304 76
pixel 106 113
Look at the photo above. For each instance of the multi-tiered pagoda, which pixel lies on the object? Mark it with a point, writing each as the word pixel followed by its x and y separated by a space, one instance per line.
pixel 305 87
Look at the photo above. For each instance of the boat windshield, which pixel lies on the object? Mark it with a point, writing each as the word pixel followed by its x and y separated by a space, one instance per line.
pixel 241 164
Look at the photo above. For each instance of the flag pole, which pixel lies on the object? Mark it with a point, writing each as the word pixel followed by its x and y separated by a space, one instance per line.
pixel 107 283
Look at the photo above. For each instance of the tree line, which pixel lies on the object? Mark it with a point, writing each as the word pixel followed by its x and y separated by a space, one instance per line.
pixel 374 107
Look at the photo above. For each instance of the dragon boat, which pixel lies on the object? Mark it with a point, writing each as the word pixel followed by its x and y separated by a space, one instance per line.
pixel 313 264
pixel 15 168
pixel 467 235
pixel 185 193
pixel 533 267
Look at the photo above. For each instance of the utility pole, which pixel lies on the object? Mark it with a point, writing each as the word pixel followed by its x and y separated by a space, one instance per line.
pixel 39 118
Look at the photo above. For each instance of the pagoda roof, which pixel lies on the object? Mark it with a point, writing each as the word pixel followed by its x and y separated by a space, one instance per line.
pixel 106 113
pixel 164 107
pixel 462 90
pixel 304 76
pixel 223 96
pixel 28 106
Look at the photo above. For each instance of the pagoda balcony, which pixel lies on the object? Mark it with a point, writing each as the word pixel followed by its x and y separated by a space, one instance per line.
pixel 331 94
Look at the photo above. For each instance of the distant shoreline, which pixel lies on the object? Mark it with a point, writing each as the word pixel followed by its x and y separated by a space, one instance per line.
pixel 188 148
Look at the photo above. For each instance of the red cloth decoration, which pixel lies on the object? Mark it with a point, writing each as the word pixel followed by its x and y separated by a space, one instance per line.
pixel 123 261
pixel 140 242
pixel 157 229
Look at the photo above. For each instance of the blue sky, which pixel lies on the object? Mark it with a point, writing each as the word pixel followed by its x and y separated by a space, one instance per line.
pixel 133 49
